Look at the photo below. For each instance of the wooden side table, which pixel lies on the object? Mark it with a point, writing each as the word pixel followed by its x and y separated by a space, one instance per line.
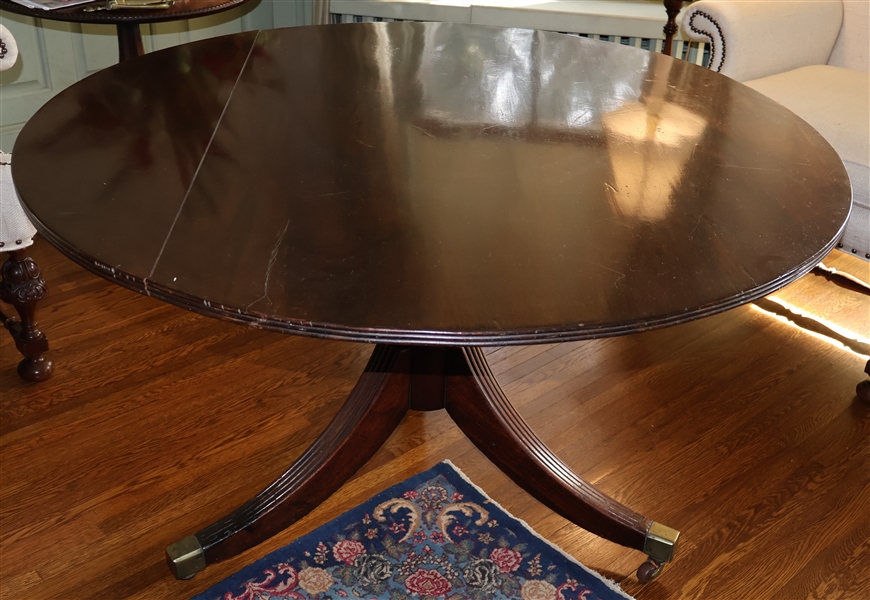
pixel 127 20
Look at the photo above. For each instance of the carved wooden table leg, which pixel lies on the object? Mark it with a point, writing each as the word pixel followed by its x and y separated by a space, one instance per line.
pixel 371 413
pixel 478 405
pixel 22 287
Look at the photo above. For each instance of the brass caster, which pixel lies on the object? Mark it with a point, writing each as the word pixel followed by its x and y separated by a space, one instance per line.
pixel 649 571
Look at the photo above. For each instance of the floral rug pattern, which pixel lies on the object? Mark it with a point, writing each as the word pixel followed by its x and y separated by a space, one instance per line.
pixel 432 536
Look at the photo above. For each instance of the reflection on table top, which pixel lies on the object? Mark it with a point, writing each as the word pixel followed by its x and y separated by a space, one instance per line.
pixel 181 9
pixel 435 183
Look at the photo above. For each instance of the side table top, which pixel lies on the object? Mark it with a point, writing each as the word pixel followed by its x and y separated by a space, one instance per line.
pixel 431 183
pixel 181 9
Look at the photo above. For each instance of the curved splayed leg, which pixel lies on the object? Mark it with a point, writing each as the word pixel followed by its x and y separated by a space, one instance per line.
pixel 365 421
pixel 480 408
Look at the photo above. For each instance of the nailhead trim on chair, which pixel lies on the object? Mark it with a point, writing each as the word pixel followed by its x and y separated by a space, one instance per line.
pixel 710 37
pixel 3 49
pixel 854 250
pixel 17 242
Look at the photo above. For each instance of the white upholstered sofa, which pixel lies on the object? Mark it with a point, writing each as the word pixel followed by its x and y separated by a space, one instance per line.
pixel 811 57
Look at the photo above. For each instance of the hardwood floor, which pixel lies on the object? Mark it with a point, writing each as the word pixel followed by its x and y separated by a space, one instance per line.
pixel 740 430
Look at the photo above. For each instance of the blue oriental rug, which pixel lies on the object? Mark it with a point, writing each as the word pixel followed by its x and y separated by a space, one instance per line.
pixel 435 535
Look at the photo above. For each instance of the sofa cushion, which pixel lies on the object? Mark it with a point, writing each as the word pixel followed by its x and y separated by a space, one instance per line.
pixel 836 102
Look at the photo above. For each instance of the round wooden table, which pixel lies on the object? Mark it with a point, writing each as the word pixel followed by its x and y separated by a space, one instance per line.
pixel 431 189
pixel 127 21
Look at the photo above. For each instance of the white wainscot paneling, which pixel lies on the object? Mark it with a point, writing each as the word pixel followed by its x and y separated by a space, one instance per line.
pixel 45 65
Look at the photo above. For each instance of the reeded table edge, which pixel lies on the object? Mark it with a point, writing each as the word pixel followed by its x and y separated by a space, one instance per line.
pixel 424 337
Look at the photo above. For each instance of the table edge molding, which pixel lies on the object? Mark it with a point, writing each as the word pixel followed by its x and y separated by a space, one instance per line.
pixel 332 331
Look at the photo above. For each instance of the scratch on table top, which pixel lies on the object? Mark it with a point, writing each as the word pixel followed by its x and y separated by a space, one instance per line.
pixel 750 168
pixel 580 116
pixel 698 222
pixel 618 279
pixel 424 131
pixel 272 259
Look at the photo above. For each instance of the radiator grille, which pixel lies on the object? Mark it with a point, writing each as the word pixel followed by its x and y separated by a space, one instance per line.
pixel 695 52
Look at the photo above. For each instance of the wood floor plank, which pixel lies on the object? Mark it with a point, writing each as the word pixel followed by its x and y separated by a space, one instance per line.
pixel 739 429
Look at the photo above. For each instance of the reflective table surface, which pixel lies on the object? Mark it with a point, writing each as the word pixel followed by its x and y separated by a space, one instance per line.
pixel 431 183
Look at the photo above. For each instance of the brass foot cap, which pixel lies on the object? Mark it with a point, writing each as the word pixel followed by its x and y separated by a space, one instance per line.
pixel 661 543
pixel 185 558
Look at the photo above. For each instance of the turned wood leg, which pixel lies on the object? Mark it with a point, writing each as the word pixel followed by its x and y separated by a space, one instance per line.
pixel 672 9
pixel 129 41
pixel 22 287
pixel 371 413
pixel 480 408
pixel 841 278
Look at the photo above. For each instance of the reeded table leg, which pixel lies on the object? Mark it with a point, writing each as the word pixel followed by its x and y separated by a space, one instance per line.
pixel 421 378
pixel 371 413
pixel 480 408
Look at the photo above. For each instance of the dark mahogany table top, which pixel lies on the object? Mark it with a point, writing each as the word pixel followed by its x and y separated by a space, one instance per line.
pixel 182 9
pixel 431 183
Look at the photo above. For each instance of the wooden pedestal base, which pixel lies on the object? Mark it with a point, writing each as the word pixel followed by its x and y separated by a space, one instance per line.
pixel 396 379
